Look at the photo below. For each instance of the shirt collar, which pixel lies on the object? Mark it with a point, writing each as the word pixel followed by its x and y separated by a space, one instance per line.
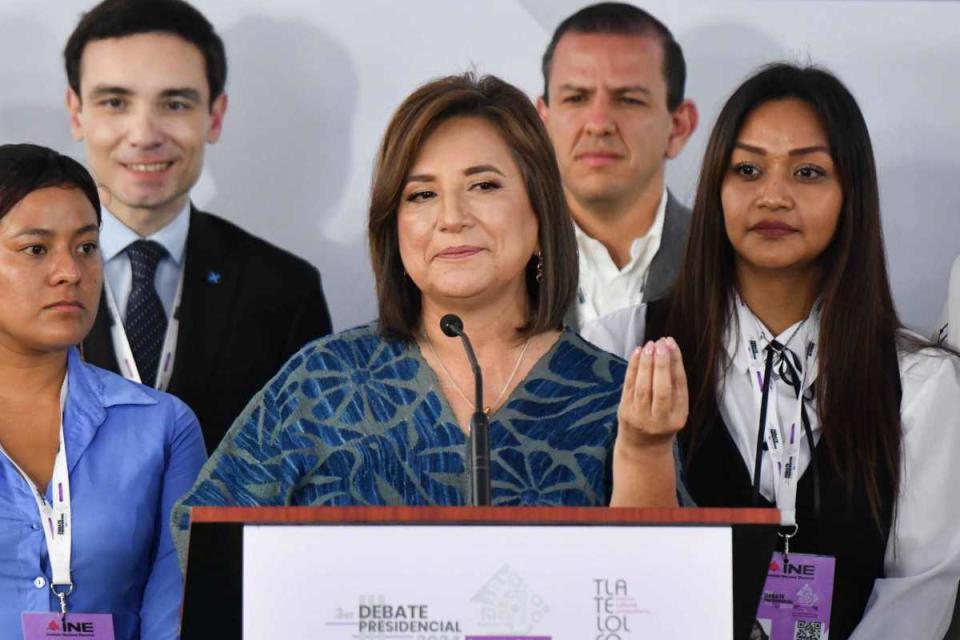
pixel 89 393
pixel 737 336
pixel 593 248
pixel 115 236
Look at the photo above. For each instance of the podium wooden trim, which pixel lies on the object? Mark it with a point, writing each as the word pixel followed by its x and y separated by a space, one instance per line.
pixel 483 515
pixel 214 584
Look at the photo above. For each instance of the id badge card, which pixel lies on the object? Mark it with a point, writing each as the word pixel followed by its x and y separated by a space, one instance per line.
pixel 50 626
pixel 796 598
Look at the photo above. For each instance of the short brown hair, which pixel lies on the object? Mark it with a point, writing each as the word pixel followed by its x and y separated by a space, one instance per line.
pixel 515 117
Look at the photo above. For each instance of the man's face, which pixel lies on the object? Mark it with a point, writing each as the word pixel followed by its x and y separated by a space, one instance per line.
pixel 144 114
pixel 608 118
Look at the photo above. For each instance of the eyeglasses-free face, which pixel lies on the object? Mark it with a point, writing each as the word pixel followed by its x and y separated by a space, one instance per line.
pixel 50 271
pixel 145 118
pixel 465 224
pixel 781 196
pixel 608 117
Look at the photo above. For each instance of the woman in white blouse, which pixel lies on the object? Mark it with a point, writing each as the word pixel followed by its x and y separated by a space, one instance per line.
pixel 784 315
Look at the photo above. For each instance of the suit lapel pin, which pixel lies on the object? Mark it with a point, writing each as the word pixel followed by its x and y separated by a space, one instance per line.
pixel 213 277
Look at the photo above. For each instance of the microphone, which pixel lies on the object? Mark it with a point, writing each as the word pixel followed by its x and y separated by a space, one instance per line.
pixel 479 441
pixel 451 325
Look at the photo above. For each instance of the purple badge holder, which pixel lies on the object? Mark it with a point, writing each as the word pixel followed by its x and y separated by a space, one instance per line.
pixel 796 598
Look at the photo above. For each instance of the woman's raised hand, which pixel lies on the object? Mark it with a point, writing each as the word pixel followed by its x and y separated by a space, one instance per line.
pixel 653 407
pixel 654 402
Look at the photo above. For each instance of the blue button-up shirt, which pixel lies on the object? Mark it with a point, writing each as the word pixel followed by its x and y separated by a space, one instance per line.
pixel 115 237
pixel 131 453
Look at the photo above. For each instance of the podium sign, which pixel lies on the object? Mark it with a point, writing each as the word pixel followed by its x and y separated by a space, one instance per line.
pixel 448 582
pixel 460 573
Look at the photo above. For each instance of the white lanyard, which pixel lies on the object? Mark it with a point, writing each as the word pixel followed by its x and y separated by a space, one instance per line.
pixel 782 438
pixel 55 517
pixel 121 346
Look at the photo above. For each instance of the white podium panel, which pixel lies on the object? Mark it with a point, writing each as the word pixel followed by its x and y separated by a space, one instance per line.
pixel 442 582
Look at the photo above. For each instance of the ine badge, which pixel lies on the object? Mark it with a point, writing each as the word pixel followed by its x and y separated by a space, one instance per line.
pixel 796 598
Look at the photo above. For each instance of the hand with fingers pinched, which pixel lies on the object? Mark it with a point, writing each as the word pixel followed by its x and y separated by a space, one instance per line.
pixel 653 405
pixel 653 408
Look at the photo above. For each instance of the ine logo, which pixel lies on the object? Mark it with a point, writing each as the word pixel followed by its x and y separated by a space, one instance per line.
pixel 76 626
pixel 70 629
pixel 790 569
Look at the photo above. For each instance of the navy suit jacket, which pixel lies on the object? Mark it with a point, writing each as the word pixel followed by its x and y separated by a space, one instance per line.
pixel 247 307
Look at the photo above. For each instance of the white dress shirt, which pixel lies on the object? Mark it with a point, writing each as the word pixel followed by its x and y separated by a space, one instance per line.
pixel 922 561
pixel 116 236
pixel 610 309
pixel 604 288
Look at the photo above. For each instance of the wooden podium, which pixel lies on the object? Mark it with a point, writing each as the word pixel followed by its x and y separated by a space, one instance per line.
pixel 214 583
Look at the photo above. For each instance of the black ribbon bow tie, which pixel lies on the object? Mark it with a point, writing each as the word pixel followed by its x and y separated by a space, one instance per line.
pixel 787 365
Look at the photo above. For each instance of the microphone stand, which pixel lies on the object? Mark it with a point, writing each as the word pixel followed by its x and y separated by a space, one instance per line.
pixel 479 441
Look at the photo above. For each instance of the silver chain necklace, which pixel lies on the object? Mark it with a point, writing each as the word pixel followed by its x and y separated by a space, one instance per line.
pixel 506 386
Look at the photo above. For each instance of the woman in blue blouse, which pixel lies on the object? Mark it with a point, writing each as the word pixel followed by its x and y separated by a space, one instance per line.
pixel 467 216
pixel 90 464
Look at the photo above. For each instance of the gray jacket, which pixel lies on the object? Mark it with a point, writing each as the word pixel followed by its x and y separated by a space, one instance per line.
pixel 666 264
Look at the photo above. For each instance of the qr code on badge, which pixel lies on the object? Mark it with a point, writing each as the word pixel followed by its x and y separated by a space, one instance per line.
pixel 808 630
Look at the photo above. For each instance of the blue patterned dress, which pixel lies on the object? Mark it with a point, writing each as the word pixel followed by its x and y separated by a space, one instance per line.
pixel 358 419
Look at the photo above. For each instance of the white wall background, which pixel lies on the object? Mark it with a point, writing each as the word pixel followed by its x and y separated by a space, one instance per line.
pixel 312 86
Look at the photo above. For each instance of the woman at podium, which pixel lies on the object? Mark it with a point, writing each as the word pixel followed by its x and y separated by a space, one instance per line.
pixel 467 217
pixel 806 392
pixel 90 463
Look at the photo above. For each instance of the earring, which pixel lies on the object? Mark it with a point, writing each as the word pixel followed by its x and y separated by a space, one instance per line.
pixel 539 276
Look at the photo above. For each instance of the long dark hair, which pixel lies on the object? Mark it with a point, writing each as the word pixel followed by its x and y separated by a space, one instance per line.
pixel 858 385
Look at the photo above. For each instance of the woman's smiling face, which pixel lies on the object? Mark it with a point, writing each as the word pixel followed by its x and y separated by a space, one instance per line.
pixel 465 225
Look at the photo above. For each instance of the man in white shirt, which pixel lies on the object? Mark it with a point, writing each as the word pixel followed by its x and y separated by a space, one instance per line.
pixel 614 107
pixel 192 304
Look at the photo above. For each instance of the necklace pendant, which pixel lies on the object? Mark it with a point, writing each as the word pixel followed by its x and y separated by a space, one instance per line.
pixel 486 411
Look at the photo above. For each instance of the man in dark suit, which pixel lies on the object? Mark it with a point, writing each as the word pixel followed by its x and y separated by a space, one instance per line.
pixel 192 304
pixel 613 104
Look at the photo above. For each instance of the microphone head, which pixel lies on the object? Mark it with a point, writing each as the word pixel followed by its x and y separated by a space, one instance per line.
pixel 451 325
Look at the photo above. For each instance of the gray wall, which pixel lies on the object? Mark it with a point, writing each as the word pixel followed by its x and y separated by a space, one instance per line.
pixel 312 85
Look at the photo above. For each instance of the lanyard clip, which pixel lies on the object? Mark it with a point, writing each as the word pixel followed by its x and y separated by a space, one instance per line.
pixel 786 542
pixel 62 596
